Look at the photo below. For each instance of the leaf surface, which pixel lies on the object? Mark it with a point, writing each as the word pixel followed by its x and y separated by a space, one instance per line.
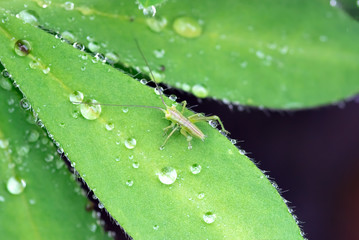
pixel 127 178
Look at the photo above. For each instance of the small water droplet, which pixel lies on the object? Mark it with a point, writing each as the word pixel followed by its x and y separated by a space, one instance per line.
pixel 33 136
pixel 28 16
pixel 15 185
pixel 5 83
pixel 143 81
pixel 110 126
pixel 69 6
pixel 213 123
pixel 196 168
pixel 186 87
pixel 150 10
pixel 130 143
pixel 156 24
pixel 129 183
pixel 68 36
pixel 91 110
pixel 46 70
pixel 2 199
pixel 156 227
pixel 93 46
pixel 168 175
pixel 78 46
pixel 187 27
pixel 125 110
pixel 158 90
pixel 49 158
pixel 23 150
pixel 4 143
pixel 209 217
pixel 34 65
pixel 172 97
pixel 200 195
pixel 159 53
pixel 75 114
pixel 22 47
pixel 76 97
pixel 233 141
pixel 24 103
pixel 135 165
pixel 112 57
pixel 200 91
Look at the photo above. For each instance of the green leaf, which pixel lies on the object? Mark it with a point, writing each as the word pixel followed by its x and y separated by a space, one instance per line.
pixel 127 180
pixel 287 55
pixel 47 203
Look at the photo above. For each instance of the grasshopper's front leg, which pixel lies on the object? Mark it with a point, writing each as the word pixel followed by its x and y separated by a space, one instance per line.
pixel 200 118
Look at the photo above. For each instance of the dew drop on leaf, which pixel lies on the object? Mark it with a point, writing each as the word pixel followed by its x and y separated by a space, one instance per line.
pixel 209 217
pixel 200 91
pixel 156 24
pixel 195 168
pixel 76 97
pixel 93 46
pixel 4 143
pixel 168 175
pixel 91 110
pixel 15 186
pixel 187 27
pixel 69 6
pixel 22 48
pixel 135 165
pixel 110 126
pixel 33 136
pixel 68 36
pixel 130 143
pixel 28 16
pixel 129 183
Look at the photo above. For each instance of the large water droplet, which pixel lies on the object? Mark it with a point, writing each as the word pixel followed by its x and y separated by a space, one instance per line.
pixel 187 27
pixel 76 97
pixel 130 143
pixel 28 16
pixel 68 36
pixel 22 48
pixel 156 24
pixel 196 168
pixel 168 175
pixel 5 83
pixel 15 186
pixel 91 110
pixel 200 91
pixel 69 6
pixel 209 217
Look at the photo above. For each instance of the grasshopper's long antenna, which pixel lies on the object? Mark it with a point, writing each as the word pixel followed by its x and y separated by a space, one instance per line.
pixel 153 77
pixel 119 105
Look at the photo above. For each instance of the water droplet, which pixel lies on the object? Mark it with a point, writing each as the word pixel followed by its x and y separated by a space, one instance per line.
pixel 156 24
pixel 130 143
pixel 135 165
pixel 200 195
pixel 2 199
pixel 112 57
pixel 209 217
pixel 110 126
pixel 75 114
pixel 158 90
pixel 187 27
pixel 150 10
pixel 91 110
pixel 213 123
pixel 69 6
pixel 159 53
pixel 28 16
pixel 78 46
pixel 172 97
pixel 200 91
pixel 233 141
pixel 33 136
pixel 34 65
pixel 156 227
pixel 5 83
pixel 125 110
pixel 15 186
pixel 76 97
pixel 143 81
pixel 24 103
pixel 196 168
pixel 23 150
pixel 22 48
pixel 4 143
pixel 168 175
pixel 68 36
pixel 99 57
pixel 94 46
pixel 129 183
pixel 49 158
pixel 46 70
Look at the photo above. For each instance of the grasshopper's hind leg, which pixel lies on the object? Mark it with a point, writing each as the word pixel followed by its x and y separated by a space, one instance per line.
pixel 169 135
pixel 198 117
pixel 188 137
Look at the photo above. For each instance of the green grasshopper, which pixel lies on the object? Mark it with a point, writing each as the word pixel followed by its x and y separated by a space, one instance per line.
pixel 178 121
